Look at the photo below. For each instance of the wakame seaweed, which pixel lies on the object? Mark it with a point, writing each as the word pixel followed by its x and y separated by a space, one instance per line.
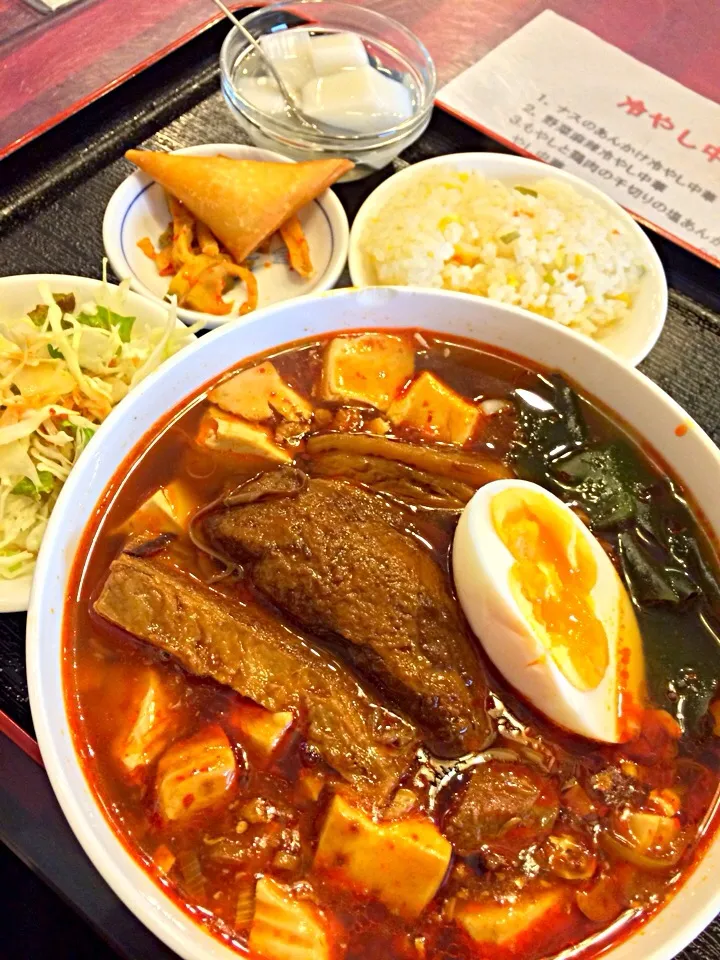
pixel 606 481
pixel 547 430
pixel 647 579
pixel 650 529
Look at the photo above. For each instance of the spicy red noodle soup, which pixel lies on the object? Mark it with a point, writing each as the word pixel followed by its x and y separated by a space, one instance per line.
pixel 284 713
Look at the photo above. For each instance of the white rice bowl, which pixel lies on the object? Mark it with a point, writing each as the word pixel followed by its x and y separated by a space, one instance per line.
pixel 539 245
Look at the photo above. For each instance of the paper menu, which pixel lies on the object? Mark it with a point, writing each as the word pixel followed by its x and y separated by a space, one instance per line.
pixel 557 91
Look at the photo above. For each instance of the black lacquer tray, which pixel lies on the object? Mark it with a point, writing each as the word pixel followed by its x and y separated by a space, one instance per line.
pixel 52 199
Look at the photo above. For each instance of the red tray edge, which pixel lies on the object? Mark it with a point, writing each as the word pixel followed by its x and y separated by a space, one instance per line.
pixel 20 738
pixel 112 85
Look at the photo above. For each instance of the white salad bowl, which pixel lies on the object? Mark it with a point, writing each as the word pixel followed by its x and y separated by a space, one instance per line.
pixel 19 294
pixel 138 209
pixel 633 398
pixel 631 339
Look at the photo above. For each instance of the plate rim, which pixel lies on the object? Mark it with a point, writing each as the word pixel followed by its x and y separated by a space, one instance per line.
pixel 478 160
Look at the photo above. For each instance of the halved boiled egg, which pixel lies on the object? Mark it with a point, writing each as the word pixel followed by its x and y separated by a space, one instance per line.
pixel 550 610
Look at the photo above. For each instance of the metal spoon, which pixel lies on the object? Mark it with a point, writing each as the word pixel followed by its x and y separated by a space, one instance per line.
pixel 288 95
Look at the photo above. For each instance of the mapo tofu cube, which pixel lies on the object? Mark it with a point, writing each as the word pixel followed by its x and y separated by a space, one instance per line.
pixel 256 393
pixel 195 775
pixel 178 502
pixel 431 407
pixel 513 923
pixel 223 431
pixel 168 510
pixel 152 723
pixel 261 730
pixel 284 928
pixel 310 785
pixel 155 515
pixel 402 863
pixel 367 368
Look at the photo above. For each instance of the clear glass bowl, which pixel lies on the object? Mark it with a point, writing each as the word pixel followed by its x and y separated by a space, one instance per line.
pixel 391 47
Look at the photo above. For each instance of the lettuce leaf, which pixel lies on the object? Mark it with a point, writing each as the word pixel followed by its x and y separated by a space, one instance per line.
pixel 105 319
pixel 26 487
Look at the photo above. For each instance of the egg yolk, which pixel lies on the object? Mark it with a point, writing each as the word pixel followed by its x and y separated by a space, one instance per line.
pixel 552 580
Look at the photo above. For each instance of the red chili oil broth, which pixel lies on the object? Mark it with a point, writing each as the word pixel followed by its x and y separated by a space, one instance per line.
pixel 102 664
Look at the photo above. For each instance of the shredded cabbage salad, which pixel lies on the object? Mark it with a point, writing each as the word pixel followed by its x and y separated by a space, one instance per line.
pixel 63 367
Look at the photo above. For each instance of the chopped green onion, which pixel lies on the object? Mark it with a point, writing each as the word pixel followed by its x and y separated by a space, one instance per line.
pixel 55 354
pixel 93 320
pixel 24 487
pixel 189 864
pixel 509 237
pixel 528 191
pixel 245 909
pixel 124 325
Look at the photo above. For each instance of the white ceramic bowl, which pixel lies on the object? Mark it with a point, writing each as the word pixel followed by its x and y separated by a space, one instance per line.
pixel 632 339
pixel 18 295
pixel 635 399
pixel 138 209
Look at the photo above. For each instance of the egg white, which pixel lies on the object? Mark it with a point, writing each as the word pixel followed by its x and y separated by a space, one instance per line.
pixel 481 569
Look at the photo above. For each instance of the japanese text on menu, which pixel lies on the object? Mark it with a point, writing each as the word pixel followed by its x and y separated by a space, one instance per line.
pixel 568 139
pixel 580 103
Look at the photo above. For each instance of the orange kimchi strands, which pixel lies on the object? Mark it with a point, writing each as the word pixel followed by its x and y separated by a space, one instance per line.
pixel 146 245
pixel 205 290
pixel 200 285
pixel 200 268
pixel 206 240
pixel 248 277
pixel 297 246
pixel 183 232
pixel 161 258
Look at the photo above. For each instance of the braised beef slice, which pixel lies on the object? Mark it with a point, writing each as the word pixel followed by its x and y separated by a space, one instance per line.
pixel 341 561
pixel 503 808
pixel 242 647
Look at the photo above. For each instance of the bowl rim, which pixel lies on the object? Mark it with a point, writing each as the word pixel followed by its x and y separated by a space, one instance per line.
pixel 524 166
pixel 156 910
pixel 352 141
pixel 15 594
pixel 117 209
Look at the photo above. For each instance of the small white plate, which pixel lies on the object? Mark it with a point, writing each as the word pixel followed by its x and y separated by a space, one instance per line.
pixel 20 294
pixel 138 209
pixel 631 339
